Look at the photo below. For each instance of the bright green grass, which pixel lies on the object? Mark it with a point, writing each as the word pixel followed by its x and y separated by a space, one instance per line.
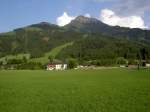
pixel 75 91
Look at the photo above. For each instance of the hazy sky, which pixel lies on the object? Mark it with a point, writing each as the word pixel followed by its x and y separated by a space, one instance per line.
pixel 128 13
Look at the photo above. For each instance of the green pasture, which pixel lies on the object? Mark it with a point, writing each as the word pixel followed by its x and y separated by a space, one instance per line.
pixel 109 90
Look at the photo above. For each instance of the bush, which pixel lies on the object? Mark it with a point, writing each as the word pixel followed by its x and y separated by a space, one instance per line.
pixel 72 63
pixel 121 61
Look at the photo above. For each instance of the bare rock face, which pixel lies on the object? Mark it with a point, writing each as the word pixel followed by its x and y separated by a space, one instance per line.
pixel 85 20
pixel 82 19
pixel 85 24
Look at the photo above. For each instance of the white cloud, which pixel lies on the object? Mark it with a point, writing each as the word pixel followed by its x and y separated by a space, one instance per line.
pixel 111 18
pixel 64 19
pixel 87 15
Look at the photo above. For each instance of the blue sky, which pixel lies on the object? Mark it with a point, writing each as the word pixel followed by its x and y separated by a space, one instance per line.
pixel 18 13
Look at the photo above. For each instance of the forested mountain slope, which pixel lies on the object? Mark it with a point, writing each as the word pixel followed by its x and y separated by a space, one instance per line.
pixel 92 40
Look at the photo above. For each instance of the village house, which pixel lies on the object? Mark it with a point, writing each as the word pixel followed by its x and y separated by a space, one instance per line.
pixel 56 66
pixel 147 65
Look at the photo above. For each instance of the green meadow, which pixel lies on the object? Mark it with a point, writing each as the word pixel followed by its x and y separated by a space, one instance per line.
pixel 109 90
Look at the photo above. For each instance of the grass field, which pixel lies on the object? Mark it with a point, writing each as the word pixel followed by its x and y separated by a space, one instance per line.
pixel 113 90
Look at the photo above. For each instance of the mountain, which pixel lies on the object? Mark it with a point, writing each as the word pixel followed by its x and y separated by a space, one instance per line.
pixel 92 25
pixel 88 25
pixel 92 40
pixel 35 39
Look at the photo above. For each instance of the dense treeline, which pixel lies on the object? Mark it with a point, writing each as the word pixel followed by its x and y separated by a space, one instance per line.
pixel 101 50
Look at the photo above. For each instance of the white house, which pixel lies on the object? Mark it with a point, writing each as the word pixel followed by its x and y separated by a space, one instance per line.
pixel 148 65
pixel 57 66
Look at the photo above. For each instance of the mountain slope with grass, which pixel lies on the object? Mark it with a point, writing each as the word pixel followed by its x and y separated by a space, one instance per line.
pixel 84 39
pixel 35 40
pixel 54 52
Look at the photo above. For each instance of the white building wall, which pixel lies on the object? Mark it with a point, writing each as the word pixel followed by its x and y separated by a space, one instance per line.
pixel 147 65
pixel 50 68
pixel 64 66
pixel 59 67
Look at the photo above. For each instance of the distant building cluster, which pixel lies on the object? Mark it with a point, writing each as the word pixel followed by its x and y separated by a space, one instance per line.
pixel 57 66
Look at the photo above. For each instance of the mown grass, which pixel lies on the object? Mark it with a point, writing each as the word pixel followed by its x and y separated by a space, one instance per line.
pixel 113 90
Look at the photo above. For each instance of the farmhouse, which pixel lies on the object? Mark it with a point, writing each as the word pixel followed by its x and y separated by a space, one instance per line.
pixel 56 66
pixel 147 65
